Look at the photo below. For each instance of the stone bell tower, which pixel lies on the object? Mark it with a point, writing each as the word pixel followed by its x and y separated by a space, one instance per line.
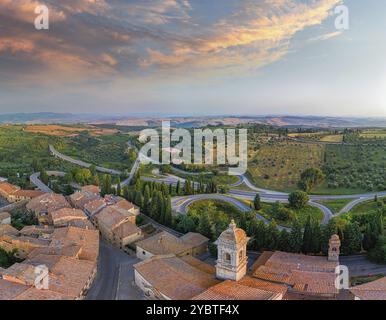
pixel 232 258
pixel 334 248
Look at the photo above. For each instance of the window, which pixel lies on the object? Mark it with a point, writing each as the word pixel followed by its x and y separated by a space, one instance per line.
pixel 241 255
pixel 227 257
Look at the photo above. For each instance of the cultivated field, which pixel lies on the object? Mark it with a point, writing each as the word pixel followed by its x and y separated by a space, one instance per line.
pixel 278 166
pixel 67 131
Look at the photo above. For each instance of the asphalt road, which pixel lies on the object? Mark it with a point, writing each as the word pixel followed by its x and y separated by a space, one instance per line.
pixel 266 194
pixel 81 163
pixel 115 277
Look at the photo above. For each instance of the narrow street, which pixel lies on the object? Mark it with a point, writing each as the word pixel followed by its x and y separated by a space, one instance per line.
pixel 115 277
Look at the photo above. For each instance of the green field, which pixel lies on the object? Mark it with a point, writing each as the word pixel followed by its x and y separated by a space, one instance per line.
pixel 366 207
pixel 110 151
pixel 278 166
pixel 301 215
pixel 335 205
pixel 357 168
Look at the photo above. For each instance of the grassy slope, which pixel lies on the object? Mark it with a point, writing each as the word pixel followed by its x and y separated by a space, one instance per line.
pixel 335 205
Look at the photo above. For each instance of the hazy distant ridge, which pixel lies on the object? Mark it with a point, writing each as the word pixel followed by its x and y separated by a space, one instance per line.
pixel 192 121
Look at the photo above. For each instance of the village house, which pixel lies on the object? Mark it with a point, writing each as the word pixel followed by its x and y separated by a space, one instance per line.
pixel 117 226
pixel 44 232
pixel 45 204
pixel 64 216
pixel 21 244
pixel 71 259
pixel 87 193
pixel 165 243
pixel 14 193
pixel 93 207
pixel 21 195
pixel 7 189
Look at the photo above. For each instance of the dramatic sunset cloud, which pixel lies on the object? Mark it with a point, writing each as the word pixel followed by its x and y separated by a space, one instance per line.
pixel 107 37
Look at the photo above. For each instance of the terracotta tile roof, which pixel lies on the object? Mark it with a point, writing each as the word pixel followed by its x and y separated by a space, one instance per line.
pixel 87 239
pixel 194 239
pixel 71 258
pixel 6 188
pixel 163 243
pixel 6 229
pixel 314 282
pixel 83 224
pixel 36 230
pixel 126 229
pixel 67 214
pixel 236 290
pixel 306 274
pixel 29 193
pixel 175 278
pixel 69 276
pixel 93 206
pixel 375 290
pixel 50 260
pixel 36 294
pixel 4 215
pixel 111 217
pixel 10 290
pixel 90 189
pixel 198 264
pixel 80 198
pixel 48 202
pixel 21 273
pixel 124 204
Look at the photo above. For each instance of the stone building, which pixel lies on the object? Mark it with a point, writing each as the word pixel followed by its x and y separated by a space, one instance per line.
pixel 334 248
pixel 232 258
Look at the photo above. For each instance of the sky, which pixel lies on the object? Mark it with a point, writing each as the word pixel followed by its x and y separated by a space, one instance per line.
pixel 196 57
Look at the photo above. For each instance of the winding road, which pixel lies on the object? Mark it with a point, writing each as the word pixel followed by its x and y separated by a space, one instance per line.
pixel 180 203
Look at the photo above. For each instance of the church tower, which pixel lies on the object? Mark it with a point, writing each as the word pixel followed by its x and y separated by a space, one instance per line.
pixel 334 248
pixel 232 259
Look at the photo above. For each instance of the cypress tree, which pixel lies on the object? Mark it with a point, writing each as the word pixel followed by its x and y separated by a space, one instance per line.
pixel 146 200
pixel 307 236
pixel 119 190
pixel 296 237
pixel 257 202
pixel 168 211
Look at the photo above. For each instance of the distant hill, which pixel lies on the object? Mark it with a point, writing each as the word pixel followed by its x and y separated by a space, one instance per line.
pixel 48 118
pixel 192 121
